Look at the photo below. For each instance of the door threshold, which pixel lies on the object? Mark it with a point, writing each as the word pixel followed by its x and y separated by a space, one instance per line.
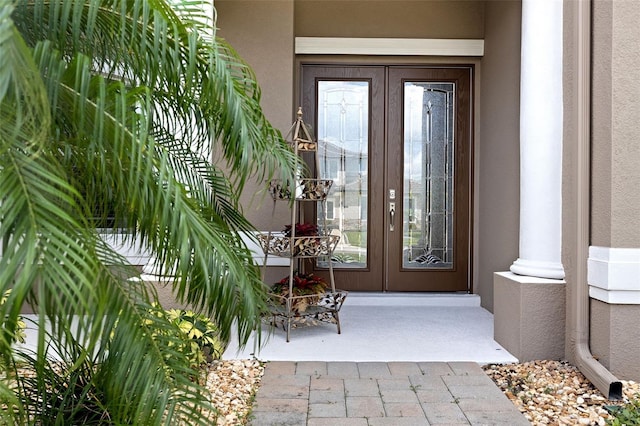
pixel 412 299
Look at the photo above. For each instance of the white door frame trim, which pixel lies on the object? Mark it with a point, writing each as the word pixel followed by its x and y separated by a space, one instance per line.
pixel 388 46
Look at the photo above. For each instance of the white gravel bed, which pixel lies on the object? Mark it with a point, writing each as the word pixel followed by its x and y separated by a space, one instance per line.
pixel 233 385
pixel 555 393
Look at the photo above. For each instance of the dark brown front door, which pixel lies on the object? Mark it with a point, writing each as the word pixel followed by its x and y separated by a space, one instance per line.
pixel 397 143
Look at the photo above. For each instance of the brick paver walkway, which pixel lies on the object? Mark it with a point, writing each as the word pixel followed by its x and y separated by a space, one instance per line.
pixel 380 393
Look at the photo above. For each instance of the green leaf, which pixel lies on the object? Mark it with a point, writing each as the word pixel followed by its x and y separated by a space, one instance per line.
pixel 135 112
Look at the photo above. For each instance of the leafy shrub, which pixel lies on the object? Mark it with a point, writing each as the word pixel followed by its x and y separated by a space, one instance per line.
pixel 202 341
pixel 55 391
pixel 17 334
pixel 201 331
pixel 628 414
pixel 73 388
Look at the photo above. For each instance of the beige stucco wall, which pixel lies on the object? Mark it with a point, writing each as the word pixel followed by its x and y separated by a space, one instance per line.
pixel 395 18
pixel 613 342
pixel 263 33
pixel 616 127
pixel 615 209
pixel 497 217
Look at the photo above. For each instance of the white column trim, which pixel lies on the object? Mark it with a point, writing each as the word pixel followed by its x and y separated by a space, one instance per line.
pixel 613 275
pixel 388 46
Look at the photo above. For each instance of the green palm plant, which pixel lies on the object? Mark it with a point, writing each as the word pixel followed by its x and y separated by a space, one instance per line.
pixel 133 111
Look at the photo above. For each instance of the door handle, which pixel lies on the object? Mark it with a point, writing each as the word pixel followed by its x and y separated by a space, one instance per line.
pixel 392 216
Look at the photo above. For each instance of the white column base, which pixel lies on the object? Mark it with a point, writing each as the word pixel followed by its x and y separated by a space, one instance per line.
pixel 532 268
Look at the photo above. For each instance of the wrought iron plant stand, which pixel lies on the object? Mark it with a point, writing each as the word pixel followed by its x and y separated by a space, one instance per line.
pixel 290 304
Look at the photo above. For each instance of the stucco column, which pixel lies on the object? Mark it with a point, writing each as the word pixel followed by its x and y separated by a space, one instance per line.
pixel 540 140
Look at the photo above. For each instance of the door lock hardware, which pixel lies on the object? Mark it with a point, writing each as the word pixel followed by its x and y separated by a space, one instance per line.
pixel 392 216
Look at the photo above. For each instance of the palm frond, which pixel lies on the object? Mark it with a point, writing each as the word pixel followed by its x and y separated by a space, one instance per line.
pixel 200 84
pixel 123 104
pixel 24 128
pixel 49 259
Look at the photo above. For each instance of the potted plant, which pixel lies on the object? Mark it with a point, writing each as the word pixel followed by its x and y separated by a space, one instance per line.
pixel 302 230
pixel 306 241
pixel 306 289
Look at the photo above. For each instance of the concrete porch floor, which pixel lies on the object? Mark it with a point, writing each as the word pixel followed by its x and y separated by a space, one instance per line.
pixel 390 327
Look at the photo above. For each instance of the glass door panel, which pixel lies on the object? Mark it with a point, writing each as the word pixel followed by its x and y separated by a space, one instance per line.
pixel 428 178
pixel 428 198
pixel 343 155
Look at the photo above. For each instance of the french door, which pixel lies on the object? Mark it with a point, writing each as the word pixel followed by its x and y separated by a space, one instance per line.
pixel 396 141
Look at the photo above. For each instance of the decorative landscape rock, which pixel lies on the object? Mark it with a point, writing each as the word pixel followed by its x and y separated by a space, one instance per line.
pixel 232 384
pixel 555 393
